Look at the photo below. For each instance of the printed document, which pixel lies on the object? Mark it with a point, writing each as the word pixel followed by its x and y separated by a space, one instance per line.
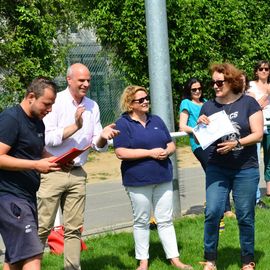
pixel 219 126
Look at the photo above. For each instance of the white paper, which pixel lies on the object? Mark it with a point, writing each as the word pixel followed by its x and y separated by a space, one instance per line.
pixel 219 126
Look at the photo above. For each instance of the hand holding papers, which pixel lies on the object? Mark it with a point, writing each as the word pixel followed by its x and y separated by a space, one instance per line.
pixel 219 126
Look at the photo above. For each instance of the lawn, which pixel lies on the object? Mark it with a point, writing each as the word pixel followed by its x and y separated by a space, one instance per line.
pixel 115 251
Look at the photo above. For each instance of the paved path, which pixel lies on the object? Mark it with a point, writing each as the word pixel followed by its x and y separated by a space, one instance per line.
pixel 108 207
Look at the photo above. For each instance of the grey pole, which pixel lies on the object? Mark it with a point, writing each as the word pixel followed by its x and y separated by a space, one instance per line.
pixel 160 75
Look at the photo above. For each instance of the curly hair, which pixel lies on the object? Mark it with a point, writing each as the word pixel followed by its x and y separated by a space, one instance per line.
pixel 232 75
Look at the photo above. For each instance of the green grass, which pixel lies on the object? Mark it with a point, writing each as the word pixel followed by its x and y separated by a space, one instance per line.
pixel 115 251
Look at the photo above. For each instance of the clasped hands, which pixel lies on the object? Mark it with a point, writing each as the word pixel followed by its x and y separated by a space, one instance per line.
pixel 159 153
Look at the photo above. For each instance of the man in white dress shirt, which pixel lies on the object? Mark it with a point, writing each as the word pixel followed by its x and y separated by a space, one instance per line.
pixel 73 122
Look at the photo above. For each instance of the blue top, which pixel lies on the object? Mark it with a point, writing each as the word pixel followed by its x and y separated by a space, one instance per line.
pixel 193 110
pixel 239 112
pixel 25 136
pixel 134 135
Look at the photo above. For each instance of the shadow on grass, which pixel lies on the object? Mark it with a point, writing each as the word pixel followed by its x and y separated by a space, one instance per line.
pixel 227 257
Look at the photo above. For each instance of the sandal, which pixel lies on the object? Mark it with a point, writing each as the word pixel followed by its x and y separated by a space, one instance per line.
pixel 250 266
pixel 208 266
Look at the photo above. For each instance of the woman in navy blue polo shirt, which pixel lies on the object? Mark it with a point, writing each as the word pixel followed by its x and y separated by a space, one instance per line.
pixel 144 146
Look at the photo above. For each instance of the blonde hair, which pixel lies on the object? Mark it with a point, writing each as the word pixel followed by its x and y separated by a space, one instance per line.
pixel 127 96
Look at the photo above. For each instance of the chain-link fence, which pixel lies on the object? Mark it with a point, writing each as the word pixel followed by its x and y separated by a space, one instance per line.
pixel 106 85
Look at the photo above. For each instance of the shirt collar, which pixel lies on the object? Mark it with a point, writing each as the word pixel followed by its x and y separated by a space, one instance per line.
pixel 126 115
pixel 72 100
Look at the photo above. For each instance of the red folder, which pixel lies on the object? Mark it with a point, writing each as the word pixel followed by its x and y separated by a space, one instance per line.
pixel 70 155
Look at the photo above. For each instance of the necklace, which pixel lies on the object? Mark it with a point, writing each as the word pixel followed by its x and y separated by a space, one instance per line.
pixel 228 106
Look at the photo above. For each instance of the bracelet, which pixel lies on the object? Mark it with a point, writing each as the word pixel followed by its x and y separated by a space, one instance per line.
pixel 238 145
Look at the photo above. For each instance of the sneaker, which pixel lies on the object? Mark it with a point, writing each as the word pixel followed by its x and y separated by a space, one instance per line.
pixel 262 205
pixel 221 226
pixel 153 224
pixel 229 214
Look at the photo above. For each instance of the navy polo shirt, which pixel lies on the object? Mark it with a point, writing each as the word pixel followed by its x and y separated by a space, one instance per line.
pixel 134 135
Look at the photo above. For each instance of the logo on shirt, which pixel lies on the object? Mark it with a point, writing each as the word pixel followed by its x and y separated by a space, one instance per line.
pixel 233 115
pixel 28 229
pixel 236 135
pixel 40 135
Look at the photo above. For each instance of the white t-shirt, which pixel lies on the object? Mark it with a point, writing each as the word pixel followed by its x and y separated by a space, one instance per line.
pixel 258 94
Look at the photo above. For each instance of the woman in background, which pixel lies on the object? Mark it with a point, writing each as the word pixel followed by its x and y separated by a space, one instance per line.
pixel 190 108
pixel 144 146
pixel 260 90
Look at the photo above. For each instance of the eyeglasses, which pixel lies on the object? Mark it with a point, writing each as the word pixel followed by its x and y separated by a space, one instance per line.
pixel 194 90
pixel 141 100
pixel 263 68
pixel 219 83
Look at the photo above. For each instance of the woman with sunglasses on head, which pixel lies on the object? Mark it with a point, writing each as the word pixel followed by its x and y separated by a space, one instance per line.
pixel 144 146
pixel 232 164
pixel 260 90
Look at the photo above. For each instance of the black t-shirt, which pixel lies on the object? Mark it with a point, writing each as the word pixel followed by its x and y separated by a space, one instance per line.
pixel 239 113
pixel 25 136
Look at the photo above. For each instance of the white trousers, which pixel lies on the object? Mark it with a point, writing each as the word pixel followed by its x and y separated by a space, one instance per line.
pixel 160 199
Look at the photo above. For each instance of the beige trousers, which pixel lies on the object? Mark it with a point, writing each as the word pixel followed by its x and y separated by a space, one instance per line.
pixel 67 190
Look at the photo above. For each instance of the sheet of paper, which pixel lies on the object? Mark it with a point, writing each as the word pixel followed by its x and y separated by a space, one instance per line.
pixel 219 126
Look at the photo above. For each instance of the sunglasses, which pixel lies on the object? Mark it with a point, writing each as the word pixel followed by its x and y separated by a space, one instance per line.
pixel 263 68
pixel 219 83
pixel 141 100
pixel 194 90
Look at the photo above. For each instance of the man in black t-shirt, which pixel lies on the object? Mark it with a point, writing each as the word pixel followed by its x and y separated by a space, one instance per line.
pixel 22 159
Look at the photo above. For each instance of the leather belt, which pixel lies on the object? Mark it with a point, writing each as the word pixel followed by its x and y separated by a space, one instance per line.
pixel 75 167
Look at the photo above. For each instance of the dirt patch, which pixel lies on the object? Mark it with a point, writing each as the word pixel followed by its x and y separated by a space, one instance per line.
pixel 106 166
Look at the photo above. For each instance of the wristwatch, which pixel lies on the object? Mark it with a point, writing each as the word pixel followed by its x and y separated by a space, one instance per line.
pixel 238 145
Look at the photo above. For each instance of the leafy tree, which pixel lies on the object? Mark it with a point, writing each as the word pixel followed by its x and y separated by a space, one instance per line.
pixel 200 32
pixel 32 42
pixel 120 26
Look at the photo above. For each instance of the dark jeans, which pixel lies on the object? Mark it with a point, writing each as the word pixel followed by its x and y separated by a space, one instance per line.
pixel 202 156
pixel 243 183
